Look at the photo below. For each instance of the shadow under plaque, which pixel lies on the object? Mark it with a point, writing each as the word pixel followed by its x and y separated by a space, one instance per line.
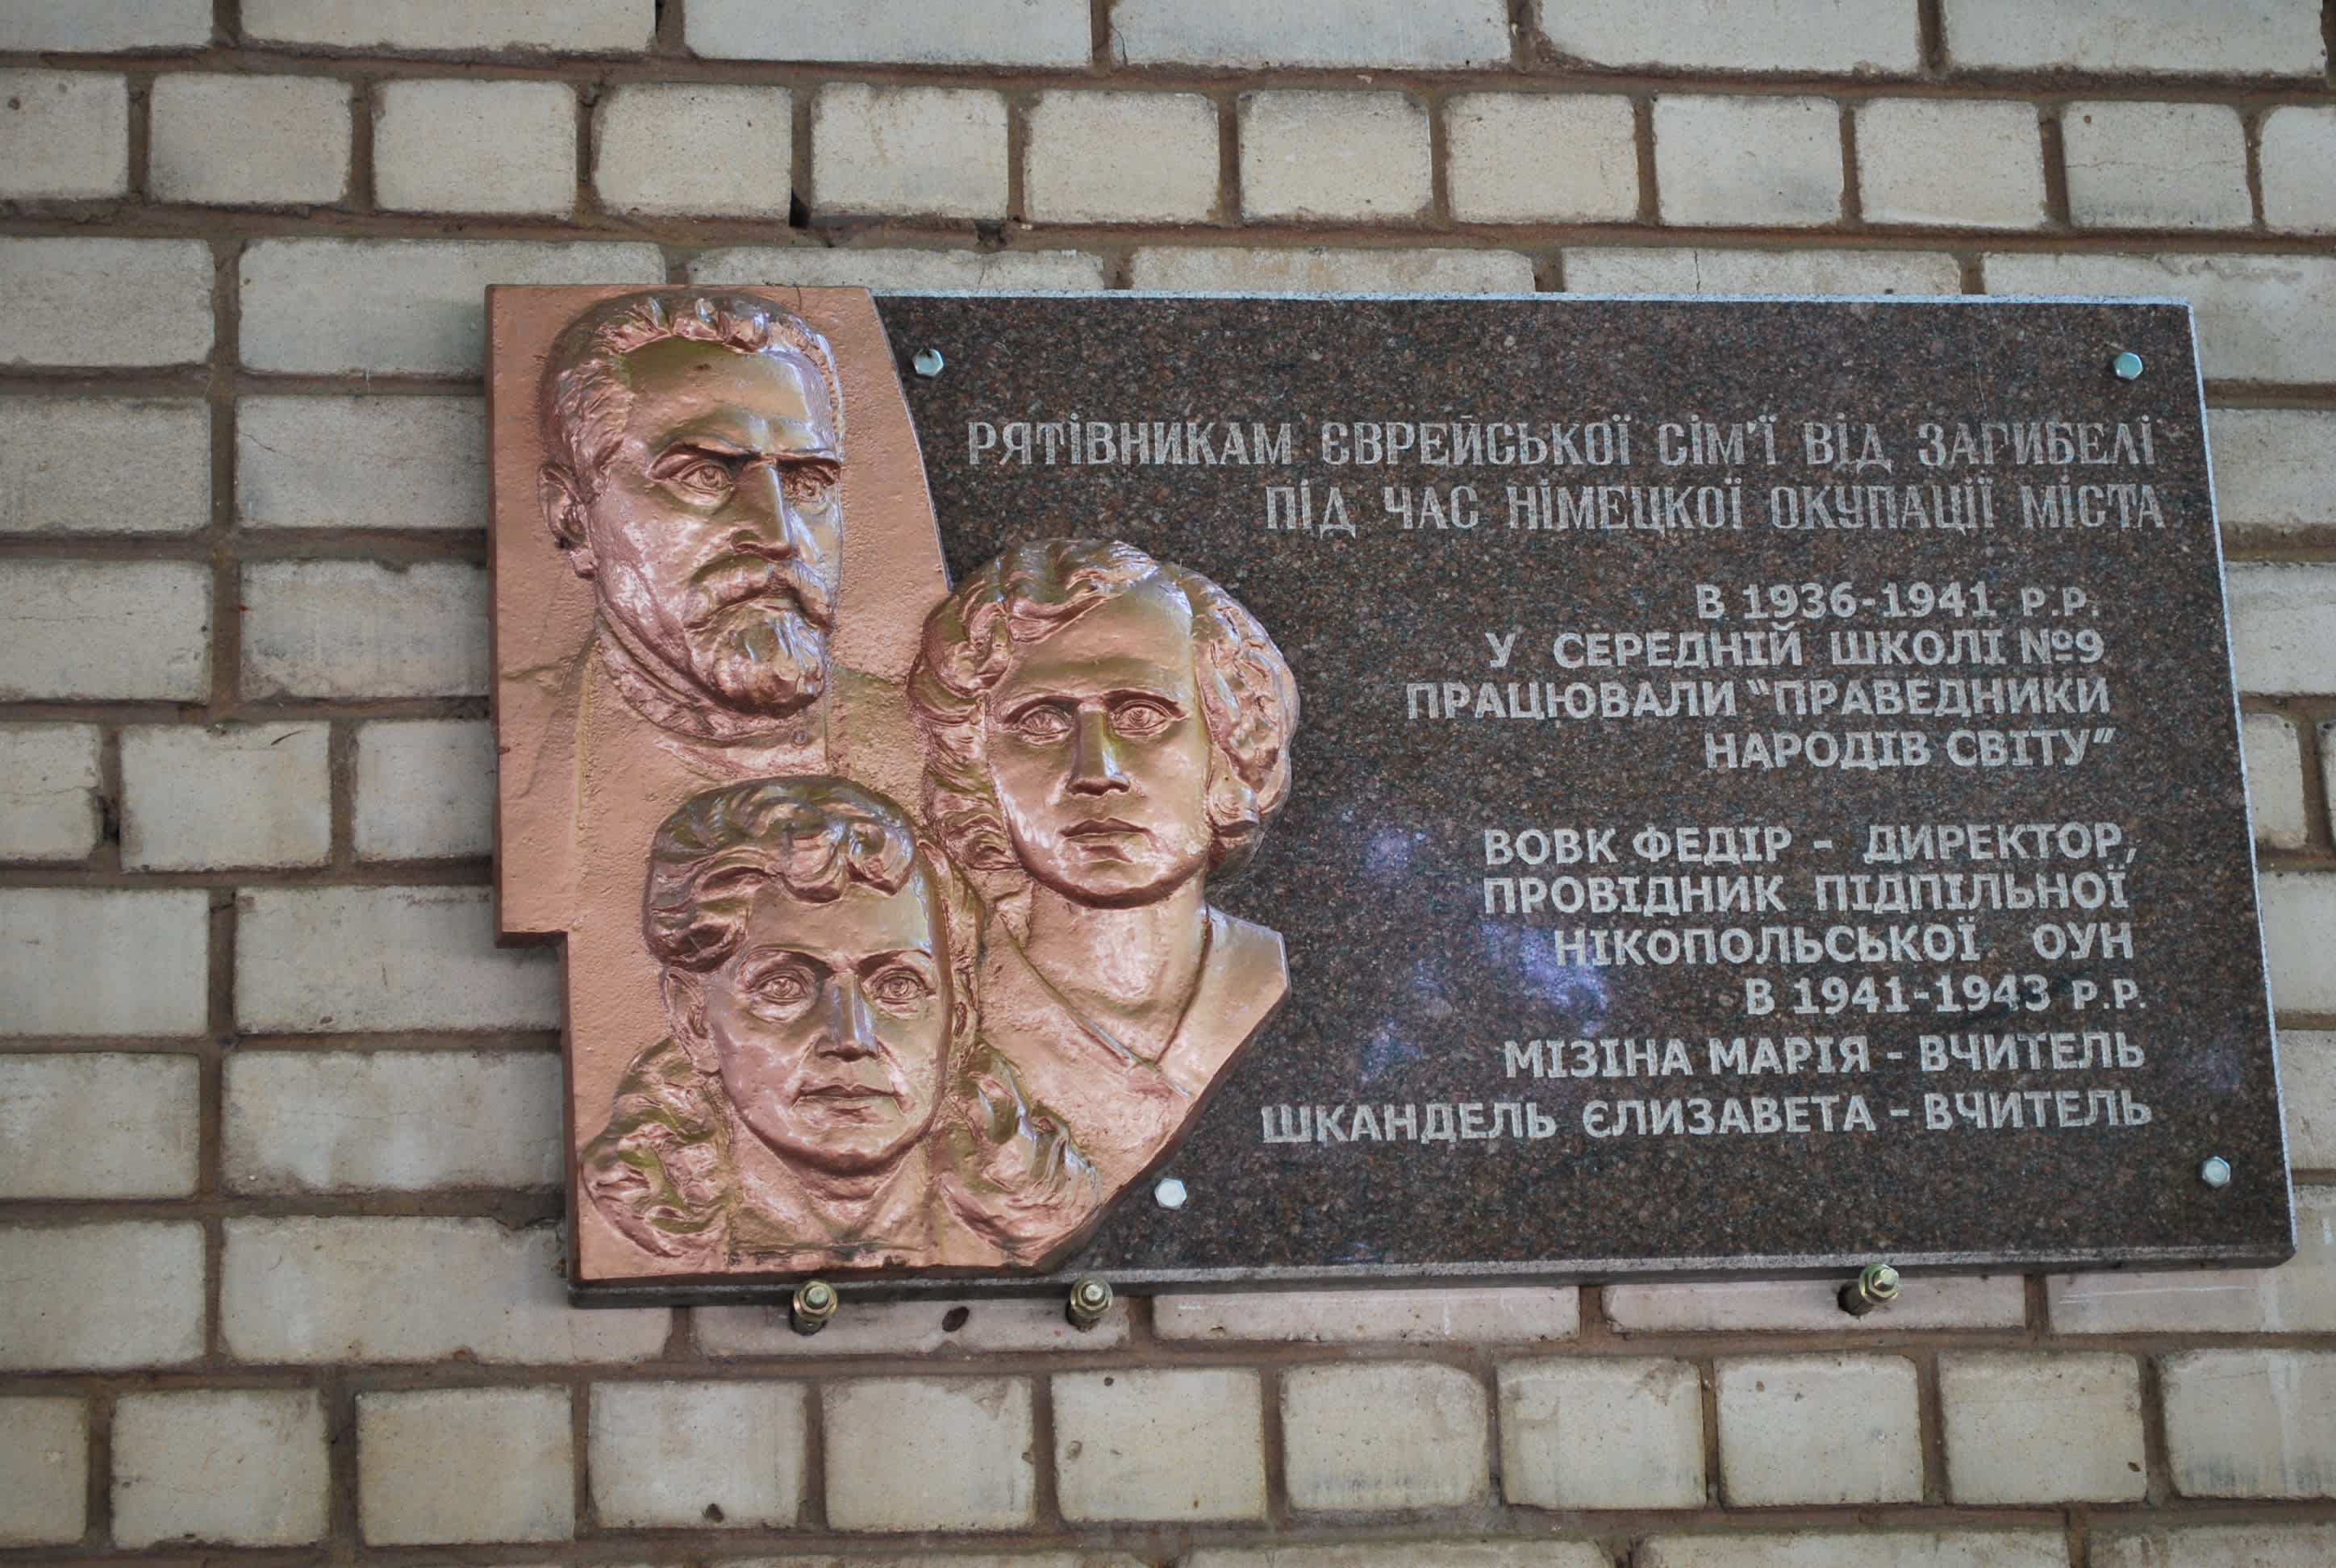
pixel 1490 788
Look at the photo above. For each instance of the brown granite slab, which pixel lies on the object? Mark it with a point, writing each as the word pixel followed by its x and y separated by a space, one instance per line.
pixel 1409 977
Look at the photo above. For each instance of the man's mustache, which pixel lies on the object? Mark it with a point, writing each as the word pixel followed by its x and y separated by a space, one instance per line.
pixel 739 578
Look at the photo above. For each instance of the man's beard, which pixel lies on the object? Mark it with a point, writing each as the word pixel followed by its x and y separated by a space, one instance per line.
pixel 757 634
pixel 760 658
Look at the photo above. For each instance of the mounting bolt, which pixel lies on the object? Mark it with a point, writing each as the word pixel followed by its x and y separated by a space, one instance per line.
pixel 1876 1285
pixel 2215 1171
pixel 928 361
pixel 2127 366
pixel 814 1303
pixel 1170 1194
pixel 1090 1300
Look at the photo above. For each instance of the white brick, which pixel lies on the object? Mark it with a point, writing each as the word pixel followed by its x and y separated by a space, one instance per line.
pixel 2299 1297
pixel 425 299
pixel 995 1326
pixel 1433 33
pixel 1812 1306
pixel 249 141
pixel 423 1458
pixel 151 947
pixel 106 630
pixel 43 1471
pixel 1978 164
pixel 2298 149
pixel 48 791
pixel 63 133
pixel 40 26
pixel 2299 919
pixel 1647 270
pixel 1320 269
pixel 1538 1553
pixel 694 148
pixel 929 1453
pixel 1121 158
pixel 2269 38
pixel 87 1297
pixel 2250 1423
pixel 404 1121
pixel 2260 317
pixel 353 629
pixel 1373 1437
pixel 817 267
pixel 244 1466
pixel 2284 625
pixel 571 26
pixel 2218 1546
pixel 2032 1429
pixel 1601 1433
pixel 1334 155
pixel 1460 1314
pixel 475 146
pixel 1044 33
pixel 313 960
pixel 943 1560
pixel 2157 165
pixel 1818 1430
pixel 1828 36
pixel 2273 467
pixel 1541 158
pixel 312 1290
pixel 1866 1549
pixel 903 150
pixel 386 463
pixel 1749 160
pixel 2274 760
pixel 683 1456
pixel 1187 1444
pixel 48 486
pixel 99 1126
pixel 105 302
pixel 196 797
pixel 426 789
pixel 2307 1084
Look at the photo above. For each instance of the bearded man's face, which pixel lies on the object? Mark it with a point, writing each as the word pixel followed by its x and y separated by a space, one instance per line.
pixel 713 541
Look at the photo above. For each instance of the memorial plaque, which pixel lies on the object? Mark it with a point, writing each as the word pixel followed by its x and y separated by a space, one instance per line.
pixel 1248 789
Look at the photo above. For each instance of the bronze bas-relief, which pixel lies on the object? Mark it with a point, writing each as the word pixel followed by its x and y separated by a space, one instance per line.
pixel 1102 733
pixel 819 962
pixel 806 1032
pixel 695 441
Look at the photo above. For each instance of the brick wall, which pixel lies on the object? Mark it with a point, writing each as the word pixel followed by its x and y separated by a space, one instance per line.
pixel 278 1134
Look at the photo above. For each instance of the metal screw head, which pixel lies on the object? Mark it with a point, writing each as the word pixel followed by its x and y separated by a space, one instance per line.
pixel 1876 1285
pixel 2215 1171
pixel 928 361
pixel 1170 1194
pixel 813 1304
pixel 2127 366
pixel 1090 1300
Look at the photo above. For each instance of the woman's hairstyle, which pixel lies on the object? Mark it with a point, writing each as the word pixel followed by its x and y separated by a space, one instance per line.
pixel 814 837
pixel 1249 699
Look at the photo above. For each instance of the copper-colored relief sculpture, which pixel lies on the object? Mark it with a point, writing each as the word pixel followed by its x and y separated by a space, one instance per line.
pixel 1102 733
pixel 806 1034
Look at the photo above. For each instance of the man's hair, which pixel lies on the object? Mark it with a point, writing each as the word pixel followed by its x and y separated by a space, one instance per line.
pixel 1249 699
pixel 814 837
pixel 587 383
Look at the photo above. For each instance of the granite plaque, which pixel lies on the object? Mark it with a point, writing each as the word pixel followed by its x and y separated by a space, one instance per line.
pixel 1257 790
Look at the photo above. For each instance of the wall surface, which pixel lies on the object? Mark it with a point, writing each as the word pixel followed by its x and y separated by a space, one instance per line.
pixel 280 1220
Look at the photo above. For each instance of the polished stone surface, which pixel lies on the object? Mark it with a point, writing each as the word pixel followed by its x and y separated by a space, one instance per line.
pixel 1404 988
